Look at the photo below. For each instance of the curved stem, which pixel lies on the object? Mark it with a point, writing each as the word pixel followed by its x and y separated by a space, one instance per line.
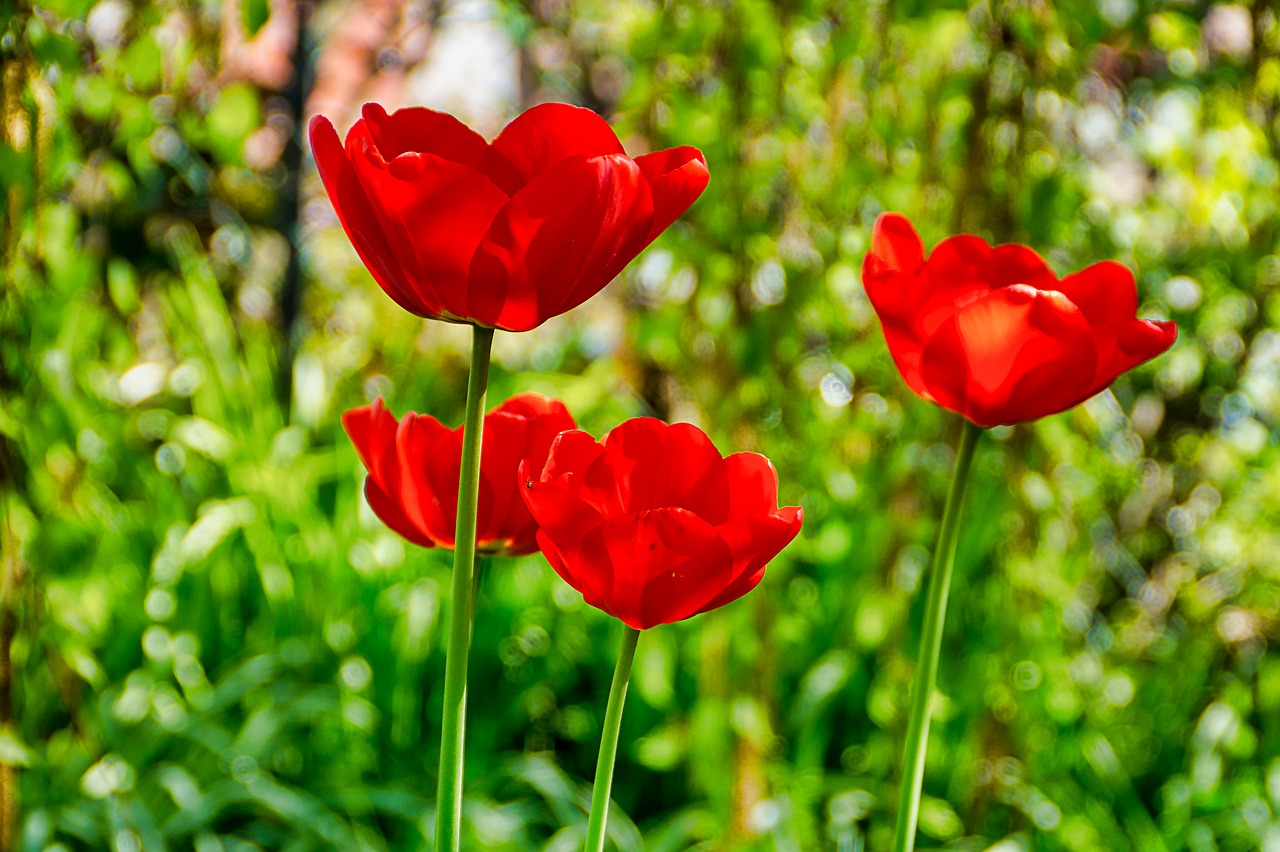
pixel 609 742
pixel 935 613
pixel 453 727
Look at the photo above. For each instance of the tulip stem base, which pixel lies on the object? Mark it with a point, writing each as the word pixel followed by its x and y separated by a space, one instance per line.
pixel 609 742
pixel 453 726
pixel 935 613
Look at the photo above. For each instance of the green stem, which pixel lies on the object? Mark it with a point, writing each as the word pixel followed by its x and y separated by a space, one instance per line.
pixel 454 725
pixel 935 613
pixel 609 742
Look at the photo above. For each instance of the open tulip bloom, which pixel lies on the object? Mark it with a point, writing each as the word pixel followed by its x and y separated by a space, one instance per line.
pixel 994 335
pixel 652 525
pixel 505 234
pixel 502 235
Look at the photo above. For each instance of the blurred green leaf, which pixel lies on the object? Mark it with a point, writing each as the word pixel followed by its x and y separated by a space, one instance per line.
pixel 254 14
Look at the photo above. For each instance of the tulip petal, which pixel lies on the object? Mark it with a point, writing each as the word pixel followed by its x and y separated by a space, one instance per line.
pixel 1105 293
pixel 1145 339
pixel 753 543
pixel 545 425
pixel 753 486
pixel 372 430
pixel 579 480
pixel 631 448
pixel 559 241
pixel 418 130
pixel 571 451
pixel 957 270
pixel 1017 264
pixel 656 567
pixel 689 474
pixel 657 465
pixel 896 297
pixel 573 491
pixel 558 563
pixel 389 512
pixel 430 456
pixel 520 429
pixel 914 297
pixel 1012 355
pixel 560 508
pixel 1125 346
pixel 1041 390
pixel 546 134
pixel 532 406
pixel 677 176
pixel 896 244
pixel 501 509
pixel 890 274
pixel 434 213
pixel 356 215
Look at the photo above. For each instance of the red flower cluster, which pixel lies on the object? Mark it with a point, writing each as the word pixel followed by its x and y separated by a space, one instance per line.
pixel 414 467
pixel 993 334
pixel 504 234
pixel 651 524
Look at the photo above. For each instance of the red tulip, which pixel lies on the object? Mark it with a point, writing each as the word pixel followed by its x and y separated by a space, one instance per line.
pixel 505 234
pixel 993 334
pixel 651 524
pixel 414 467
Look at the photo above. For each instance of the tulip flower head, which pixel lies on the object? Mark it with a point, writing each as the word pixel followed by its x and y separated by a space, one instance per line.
pixel 414 469
pixel 651 524
pixel 505 234
pixel 993 334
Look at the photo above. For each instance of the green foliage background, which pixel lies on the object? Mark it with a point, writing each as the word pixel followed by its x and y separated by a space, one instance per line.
pixel 209 642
